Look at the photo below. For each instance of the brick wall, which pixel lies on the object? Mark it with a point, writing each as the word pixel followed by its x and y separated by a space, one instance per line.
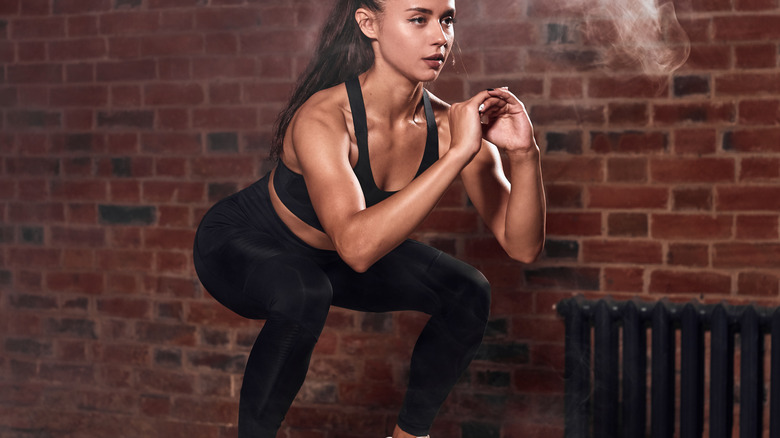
pixel 122 121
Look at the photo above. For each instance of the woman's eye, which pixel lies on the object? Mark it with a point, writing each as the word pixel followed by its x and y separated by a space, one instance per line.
pixel 449 21
pixel 417 20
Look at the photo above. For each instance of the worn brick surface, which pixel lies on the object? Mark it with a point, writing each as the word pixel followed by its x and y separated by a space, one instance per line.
pixel 122 121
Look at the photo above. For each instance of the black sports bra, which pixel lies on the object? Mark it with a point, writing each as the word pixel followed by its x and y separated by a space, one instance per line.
pixel 291 188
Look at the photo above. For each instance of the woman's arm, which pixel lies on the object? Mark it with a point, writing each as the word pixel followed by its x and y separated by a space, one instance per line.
pixel 515 212
pixel 363 235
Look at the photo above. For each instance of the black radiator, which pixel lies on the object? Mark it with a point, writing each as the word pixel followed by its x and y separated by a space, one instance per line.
pixel 604 399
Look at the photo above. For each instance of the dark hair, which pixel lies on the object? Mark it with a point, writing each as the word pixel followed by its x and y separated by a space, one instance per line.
pixel 343 52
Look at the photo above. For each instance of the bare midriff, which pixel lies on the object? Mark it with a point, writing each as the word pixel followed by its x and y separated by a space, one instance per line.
pixel 304 231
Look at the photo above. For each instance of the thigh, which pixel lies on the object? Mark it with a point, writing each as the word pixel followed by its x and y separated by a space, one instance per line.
pixel 413 276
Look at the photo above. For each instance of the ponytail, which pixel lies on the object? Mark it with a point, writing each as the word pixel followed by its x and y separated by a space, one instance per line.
pixel 343 52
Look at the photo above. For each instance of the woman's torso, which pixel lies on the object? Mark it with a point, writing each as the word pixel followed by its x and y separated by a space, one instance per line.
pixel 396 154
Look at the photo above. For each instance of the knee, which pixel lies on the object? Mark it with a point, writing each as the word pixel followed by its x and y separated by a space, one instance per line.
pixel 476 293
pixel 294 289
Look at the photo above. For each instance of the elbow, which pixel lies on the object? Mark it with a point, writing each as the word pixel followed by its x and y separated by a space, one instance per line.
pixel 526 255
pixel 355 257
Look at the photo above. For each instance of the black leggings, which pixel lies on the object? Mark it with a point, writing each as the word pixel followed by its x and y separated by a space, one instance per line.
pixel 250 262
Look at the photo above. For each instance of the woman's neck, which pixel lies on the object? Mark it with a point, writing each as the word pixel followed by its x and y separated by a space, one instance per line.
pixel 399 99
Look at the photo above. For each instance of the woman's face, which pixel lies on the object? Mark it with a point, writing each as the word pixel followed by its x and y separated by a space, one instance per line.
pixel 415 36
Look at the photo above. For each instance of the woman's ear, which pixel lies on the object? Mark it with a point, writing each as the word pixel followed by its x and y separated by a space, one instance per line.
pixel 367 22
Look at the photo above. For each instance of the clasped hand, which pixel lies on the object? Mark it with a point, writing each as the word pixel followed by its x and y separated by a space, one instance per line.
pixel 495 115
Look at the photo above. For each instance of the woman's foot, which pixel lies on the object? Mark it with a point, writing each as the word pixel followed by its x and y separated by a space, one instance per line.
pixel 398 433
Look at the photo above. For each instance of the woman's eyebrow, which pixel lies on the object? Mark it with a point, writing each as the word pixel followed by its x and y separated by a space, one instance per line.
pixel 430 12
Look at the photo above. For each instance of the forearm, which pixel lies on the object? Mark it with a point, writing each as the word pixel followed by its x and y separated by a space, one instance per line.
pixel 524 226
pixel 371 233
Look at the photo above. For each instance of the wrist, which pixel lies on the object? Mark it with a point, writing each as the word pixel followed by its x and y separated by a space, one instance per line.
pixel 524 156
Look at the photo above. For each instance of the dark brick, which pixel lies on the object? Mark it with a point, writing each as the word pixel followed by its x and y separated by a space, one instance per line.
pixel 122 167
pixel 79 142
pixel 569 142
pixel 689 85
pixel 558 34
pixel 127 215
pixel 5 277
pixel 218 361
pixel 561 249
pixel 76 303
pixel 34 119
pixel 499 379
pixel 80 328
pixel 126 119
pixel 33 302
pixel 168 358
pixel 480 430
pixel 124 4
pixel 377 322
pixel 497 328
pixel 30 347
pixel 218 191
pixel 563 278
pixel 222 142
pixel 7 234
pixel 215 337
pixel 32 235
pixel 504 353
pixel 728 141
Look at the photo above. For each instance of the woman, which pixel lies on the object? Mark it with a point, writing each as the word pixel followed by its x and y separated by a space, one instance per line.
pixel 364 154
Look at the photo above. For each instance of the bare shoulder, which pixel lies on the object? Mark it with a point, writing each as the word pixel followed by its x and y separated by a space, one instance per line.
pixel 319 125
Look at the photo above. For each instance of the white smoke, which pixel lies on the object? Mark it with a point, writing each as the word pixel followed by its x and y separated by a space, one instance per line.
pixel 631 34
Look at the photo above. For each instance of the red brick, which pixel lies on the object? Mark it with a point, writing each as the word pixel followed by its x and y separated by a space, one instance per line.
pixel 709 57
pixel 629 142
pixel 77 49
pixel 45 27
pixel 758 169
pixel 213 314
pixel 173 144
pixel 756 56
pixel 129 23
pixel 757 284
pixel 567 114
pixel 538 381
pixel 748 84
pixel 227 19
pixel 668 114
pixel 629 87
pixel 451 221
pixel 167 191
pixel 219 67
pixel 624 279
pixel 684 254
pixel 123 308
pixel 755 140
pixel 633 114
pixel 627 170
pixel 692 199
pixel 747 27
pixel 747 255
pixel 563 196
pixel 178 20
pixel 627 224
pixel 747 198
pixel 225 118
pixel 173 94
pixel 692 170
pixel 140 70
pixel 126 96
pixel 574 224
pixel 34 74
pixel 573 169
pixel 82 25
pixel 566 88
pixel 687 282
pixel 757 227
pixel 216 167
pixel 627 197
pixel 692 226
pixel 81 282
pixel 759 112
pixel 172 45
pixel 125 260
pixel 78 236
pixel 622 251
